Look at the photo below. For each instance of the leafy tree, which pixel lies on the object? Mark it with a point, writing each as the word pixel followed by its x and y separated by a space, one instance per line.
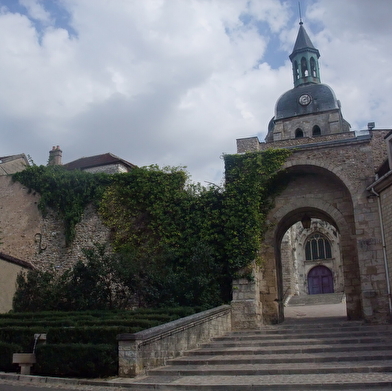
pixel 35 291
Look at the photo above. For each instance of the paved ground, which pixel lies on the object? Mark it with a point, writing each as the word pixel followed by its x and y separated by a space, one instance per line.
pixel 315 311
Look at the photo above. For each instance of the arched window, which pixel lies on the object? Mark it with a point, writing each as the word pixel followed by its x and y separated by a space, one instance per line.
pixel 296 70
pixel 313 70
pixel 304 67
pixel 316 130
pixel 299 133
pixel 317 247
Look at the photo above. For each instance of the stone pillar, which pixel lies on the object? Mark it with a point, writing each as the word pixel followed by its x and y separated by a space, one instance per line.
pixel 246 308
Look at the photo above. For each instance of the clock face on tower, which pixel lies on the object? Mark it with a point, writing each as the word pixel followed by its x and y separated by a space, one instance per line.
pixel 304 99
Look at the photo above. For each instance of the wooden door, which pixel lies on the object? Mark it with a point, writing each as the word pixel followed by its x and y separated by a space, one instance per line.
pixel 320 280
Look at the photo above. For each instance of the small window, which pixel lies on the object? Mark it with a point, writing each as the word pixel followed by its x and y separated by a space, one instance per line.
pixel 316 130
pixel 317 247
pixel 299 133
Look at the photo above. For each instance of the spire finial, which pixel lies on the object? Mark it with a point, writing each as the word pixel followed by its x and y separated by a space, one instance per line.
pixel 300 14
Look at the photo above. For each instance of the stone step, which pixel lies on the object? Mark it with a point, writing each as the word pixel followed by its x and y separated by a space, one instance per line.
pixel 251 369
pixel 312 333
pixel 316 382
pixel 346 326
pixel 304 341
pixel 320 354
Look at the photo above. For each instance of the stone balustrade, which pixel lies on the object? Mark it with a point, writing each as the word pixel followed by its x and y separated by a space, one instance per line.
pixel 150 348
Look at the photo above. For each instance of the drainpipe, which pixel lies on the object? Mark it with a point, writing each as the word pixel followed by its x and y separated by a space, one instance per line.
pixel 384 249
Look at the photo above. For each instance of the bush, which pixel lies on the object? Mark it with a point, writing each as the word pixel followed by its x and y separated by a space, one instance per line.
pixel 88 335
pixel 6 352
pixel 21 336
pixel 76 360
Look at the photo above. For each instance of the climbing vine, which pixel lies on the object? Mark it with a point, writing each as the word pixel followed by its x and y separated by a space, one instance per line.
pixel 67 192
pixel 252 182
pixel 184 241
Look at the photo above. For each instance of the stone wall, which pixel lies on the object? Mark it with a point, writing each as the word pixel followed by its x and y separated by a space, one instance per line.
pixel 328 178
pixel 29 236
pixel 152 347
pixel 252 144
pixel 386 207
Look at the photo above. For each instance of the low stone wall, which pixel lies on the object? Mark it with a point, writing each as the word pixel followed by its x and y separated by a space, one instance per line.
pixel 151 348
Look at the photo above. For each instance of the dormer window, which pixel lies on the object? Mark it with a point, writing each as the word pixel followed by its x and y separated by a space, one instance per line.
pixel 316 131
pixel 299 133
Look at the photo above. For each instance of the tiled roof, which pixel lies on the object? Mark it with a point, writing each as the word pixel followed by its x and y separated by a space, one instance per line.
pixel 96 161
pixel 16 261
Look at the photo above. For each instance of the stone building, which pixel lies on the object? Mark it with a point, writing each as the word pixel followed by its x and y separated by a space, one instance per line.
pixel 325 231
pixel 27 235
pixel 10 268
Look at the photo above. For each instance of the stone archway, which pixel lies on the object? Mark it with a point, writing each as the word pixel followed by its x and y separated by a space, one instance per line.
pixel 319 194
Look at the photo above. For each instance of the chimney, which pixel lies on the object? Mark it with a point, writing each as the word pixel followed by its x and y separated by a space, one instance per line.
pixel 55 156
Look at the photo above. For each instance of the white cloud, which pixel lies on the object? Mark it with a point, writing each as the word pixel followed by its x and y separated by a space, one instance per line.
pixel 36 10
pixel 174 82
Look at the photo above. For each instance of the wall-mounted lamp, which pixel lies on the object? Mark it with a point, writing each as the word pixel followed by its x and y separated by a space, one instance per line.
pixel 306 220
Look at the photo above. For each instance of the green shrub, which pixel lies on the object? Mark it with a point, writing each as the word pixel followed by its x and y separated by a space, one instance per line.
pixel 22 336
pixel 76 360
pixel 6 352
pixel 88 335
pixel 42 323
pixel 142 323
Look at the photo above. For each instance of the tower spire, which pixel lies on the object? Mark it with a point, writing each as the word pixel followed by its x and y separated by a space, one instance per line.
pixel 304 59
pixel 300 14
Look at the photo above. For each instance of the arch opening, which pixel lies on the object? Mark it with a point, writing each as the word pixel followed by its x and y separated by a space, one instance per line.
pixel 302 249
pixel 316 131
pixel 299 133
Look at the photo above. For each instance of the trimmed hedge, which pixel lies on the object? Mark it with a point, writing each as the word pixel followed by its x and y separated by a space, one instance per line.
pixel 78 344
pixel 76 360
pixel 88 335
pixel 6 352
pixel 21 336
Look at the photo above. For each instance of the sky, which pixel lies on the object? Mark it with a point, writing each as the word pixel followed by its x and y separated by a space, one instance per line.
pixel 176 82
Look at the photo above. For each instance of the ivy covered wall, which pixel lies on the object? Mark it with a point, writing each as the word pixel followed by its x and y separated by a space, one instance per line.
pixel 182 240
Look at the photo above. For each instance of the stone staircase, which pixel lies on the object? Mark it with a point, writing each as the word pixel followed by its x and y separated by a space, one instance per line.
pixel 326 354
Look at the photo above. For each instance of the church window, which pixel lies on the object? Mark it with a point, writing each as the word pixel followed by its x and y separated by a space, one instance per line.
pixel 316 130
pixel 304 67
pixel 299 133
pixel 317 247
pixel 313 67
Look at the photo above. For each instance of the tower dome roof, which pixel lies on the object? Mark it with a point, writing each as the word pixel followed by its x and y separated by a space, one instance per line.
pixel 306 99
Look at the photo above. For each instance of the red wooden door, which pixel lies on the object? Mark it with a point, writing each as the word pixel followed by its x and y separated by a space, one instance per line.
pixel 320 280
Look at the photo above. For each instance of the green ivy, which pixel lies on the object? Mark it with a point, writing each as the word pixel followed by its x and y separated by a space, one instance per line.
pixel 252 182
pixel 67 192
pixel 182 241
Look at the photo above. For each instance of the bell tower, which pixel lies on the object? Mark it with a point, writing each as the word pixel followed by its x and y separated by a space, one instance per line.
pixel 304 59
pixel 309 110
